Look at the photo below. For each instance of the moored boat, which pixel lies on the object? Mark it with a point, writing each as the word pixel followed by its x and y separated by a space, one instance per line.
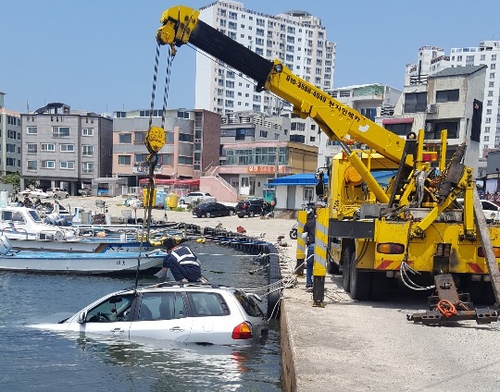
pixel 112 260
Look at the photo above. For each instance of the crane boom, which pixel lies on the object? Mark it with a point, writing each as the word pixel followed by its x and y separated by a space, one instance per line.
pixel 181 25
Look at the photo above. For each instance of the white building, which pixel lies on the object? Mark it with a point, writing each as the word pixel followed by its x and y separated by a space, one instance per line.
pixel 10 139
pixel 295 37
pixel 487 53
pixel 432 60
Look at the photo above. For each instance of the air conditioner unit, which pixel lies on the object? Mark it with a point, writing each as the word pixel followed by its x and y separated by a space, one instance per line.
pixel 432 108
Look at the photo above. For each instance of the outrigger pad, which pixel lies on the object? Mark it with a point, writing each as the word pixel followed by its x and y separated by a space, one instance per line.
pixel 448 305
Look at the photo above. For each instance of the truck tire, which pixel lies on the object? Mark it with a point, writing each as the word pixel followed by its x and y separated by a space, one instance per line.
pixel 331 266
pixel 360 284
pixel 346 270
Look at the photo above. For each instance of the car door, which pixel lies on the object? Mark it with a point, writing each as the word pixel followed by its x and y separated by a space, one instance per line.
pixel 162 315
pixel 109 318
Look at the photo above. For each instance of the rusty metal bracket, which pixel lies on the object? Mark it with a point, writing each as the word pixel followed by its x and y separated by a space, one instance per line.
pixel 448 305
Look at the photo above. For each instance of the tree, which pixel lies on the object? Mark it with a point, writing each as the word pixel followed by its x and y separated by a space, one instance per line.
pixel 13 178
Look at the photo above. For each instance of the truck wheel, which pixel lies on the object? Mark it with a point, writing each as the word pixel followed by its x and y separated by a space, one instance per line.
pixel 378 286
pixel 331 266
pixel 360 281
pixel 346 269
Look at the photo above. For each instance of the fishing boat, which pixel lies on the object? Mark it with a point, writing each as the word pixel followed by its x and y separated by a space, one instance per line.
pixel 107 260
pixel 24 223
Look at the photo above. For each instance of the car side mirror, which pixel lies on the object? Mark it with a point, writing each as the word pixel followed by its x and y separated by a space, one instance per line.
pixel 82 317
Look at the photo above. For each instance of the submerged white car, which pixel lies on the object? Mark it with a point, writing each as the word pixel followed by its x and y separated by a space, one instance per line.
pixel 183 313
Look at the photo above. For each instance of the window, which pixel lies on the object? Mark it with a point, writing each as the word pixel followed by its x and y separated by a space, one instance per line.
pixel 31 130
pixel 32 165
pixel 67 165
pixel 48 164
pixel 415 102
pixel 87 131
pixel 124 159
pixel 139 137
pixel 47 147
pixel 125 138
pixel 112 309
pixel 32 148
pixel 60 132
pixel 67 147
pixel 87 167
pixel 88 150
pixel 447 96
pixel 162 306
pixel 208 304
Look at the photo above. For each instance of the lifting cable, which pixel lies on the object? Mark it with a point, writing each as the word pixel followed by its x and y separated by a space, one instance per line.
pixel 154 141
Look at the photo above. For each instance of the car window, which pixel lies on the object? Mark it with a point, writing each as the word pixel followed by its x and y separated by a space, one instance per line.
pixel 248 304
pixel 113 309
pixel 208 304
pixel 489 206
pixel 162 306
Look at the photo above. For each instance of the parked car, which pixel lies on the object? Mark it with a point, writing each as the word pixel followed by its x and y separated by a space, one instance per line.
pixel 192 196
pixel 249 207
pixel 491 210
pixel 35 194
pixel 58 193
pixel 185 313
pixel 212 209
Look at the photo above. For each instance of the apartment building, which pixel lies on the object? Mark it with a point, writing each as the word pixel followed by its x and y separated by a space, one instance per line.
pixel 65 148
pixel 432 60
pixel 297 38
pixel 192 143
pixel 10 139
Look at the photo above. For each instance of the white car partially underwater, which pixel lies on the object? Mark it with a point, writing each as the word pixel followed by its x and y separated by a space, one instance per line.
pixel 190 313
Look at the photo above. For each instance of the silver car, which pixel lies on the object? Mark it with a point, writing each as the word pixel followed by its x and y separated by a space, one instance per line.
pixel 182 313
pixel 58 193
pixel 196 196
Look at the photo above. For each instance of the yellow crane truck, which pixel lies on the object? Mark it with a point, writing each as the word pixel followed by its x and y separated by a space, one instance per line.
pixel 408 230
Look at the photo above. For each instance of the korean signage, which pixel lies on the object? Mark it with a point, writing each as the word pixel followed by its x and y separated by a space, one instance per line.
pixel 264 169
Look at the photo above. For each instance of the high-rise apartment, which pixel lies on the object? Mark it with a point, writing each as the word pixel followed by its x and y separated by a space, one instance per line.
pixel 487 53
pixel 296 37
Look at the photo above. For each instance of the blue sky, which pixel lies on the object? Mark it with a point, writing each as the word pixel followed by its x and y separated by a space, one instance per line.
pixel 98 55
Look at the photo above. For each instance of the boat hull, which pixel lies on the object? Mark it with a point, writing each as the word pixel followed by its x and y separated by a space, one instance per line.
pixel 109 263
pixel 80 245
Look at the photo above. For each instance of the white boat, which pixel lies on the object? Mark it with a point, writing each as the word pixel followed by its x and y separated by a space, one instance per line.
pixel 113 260
pixel 23 223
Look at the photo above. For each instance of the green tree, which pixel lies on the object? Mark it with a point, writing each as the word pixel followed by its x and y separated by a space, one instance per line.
pixel 14 179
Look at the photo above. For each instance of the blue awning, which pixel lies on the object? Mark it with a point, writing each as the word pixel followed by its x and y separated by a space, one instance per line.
pixel 297 179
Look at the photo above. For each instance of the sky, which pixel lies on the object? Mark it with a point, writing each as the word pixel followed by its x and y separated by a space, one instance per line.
pixel 98 55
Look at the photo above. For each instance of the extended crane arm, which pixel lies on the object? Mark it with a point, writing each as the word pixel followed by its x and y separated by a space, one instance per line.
pixel 180 25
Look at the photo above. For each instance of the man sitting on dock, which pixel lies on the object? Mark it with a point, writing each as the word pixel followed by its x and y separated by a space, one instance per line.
pixel 181 260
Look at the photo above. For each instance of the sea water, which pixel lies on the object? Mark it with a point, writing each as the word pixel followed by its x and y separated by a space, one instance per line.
pixel 36 360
